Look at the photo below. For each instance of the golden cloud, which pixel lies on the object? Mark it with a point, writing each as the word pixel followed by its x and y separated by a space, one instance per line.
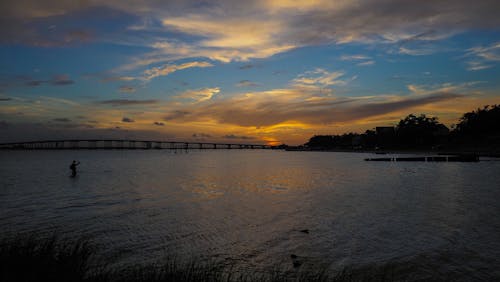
pixel 170 68
pixel 198 95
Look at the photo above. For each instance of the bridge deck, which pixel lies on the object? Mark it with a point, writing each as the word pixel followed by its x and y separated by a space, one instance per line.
pixel 124 144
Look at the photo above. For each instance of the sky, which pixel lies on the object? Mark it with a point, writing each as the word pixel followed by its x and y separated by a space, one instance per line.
pixel 260 72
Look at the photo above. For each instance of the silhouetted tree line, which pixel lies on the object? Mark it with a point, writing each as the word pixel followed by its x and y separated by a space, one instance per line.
pixel 477 128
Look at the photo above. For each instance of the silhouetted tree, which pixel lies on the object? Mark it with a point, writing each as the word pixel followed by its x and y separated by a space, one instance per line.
pixel 419 131
pixel 320 141
pixel 369 139
pixel 479 126
pixel 344 141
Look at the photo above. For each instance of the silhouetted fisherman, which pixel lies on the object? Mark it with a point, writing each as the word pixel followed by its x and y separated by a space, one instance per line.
pixel 73 168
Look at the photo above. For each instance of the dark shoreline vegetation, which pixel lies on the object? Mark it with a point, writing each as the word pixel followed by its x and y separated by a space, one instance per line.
pixel 477 132
pixel 31 258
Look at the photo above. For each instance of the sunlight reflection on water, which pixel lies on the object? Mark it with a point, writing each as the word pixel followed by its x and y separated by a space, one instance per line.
pixel 249 206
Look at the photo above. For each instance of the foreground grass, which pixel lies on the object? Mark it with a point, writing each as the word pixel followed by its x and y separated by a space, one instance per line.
pixel 28 258
pixel 32 259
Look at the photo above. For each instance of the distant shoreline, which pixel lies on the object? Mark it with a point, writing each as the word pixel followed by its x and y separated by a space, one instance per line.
pixel 479 153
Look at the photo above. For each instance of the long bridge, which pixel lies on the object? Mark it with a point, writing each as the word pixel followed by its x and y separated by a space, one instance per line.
pixel 124 144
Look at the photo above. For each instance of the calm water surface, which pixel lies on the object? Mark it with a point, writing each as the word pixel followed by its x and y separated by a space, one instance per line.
pixel 249 206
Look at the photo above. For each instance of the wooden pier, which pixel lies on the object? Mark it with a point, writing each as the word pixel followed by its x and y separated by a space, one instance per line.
pixel 465 158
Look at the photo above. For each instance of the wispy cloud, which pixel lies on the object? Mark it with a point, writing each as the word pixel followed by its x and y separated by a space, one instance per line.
pixel 489 53
pixel 26 32
pixel 478 65
pixel 226 39
pixel 127 89
pixel 170 68
pixel 127 102
pixel 366 63
pixel 109 78
pixel 176 115
pixel 246 83
pixel 62 79
pixel 167 51
pixel 26 80
pixel 320 77
pixel 199 95
pixel 415 51
pixel 361 60
pixel 443 88
pixel 483 57
pixel 239 137
pixel 60 101
pixel 354 57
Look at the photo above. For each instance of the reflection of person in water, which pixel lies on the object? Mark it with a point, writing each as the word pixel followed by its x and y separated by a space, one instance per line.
pixel 73 168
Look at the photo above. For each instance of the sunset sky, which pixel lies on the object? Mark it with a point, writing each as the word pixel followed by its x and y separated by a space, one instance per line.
pixel 264 71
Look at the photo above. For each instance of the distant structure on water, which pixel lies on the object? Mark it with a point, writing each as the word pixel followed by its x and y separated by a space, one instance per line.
pixel 126 144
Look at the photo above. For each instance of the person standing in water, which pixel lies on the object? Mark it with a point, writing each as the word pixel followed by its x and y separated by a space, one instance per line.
pixel 73 168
